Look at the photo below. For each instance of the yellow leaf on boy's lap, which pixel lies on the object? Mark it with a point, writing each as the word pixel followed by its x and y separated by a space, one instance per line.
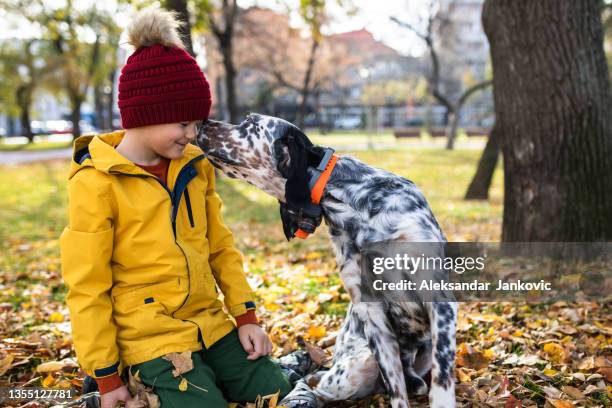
pixel 182 362
pixel 183 385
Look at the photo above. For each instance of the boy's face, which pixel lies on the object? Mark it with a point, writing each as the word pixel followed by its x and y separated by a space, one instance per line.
pixel 169 139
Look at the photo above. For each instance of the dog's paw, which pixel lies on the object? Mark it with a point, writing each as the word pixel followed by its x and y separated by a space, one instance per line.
pixel 416 385
pixel 301 397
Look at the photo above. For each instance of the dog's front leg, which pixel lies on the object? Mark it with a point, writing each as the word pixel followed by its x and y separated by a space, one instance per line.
pixel 443 320
pixel 385 347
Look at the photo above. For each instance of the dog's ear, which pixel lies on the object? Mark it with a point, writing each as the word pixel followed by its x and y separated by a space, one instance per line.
pixel 289 219
pixel 291 153
pixel 296 188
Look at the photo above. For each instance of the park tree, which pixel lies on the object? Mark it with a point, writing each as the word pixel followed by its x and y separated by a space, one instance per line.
pixel 26 65
pixel 76 36
pixel 82 59
pixel 436 23
pixel 278 56
pixel 552 105
pixel 19 79
pixel 219 18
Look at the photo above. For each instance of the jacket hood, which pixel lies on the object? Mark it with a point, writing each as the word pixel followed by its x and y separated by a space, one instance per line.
pixel 98 151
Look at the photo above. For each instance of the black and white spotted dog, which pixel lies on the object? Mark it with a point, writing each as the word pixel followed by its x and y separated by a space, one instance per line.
pixel 383 345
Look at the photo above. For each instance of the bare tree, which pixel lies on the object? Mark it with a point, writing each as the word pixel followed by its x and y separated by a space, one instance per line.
pixel 265 44
pixel 436 19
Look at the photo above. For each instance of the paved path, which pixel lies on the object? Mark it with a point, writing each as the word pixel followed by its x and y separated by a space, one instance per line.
pixel 18 157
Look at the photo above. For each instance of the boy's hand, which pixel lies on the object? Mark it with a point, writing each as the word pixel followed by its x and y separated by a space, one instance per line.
pixel 254 340
pixel 109 399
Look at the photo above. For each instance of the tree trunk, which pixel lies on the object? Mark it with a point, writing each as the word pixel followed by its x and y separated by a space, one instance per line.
pixel 180 6
pixel 230 82
pixel 479 187
pixel 110 102
pixel 306 85
pixel 552 105
pixel 75 115
pixel 24 101
pixel 99 106
pixel 452 128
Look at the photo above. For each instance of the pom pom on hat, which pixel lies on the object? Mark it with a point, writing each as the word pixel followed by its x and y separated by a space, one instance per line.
pixel 155 26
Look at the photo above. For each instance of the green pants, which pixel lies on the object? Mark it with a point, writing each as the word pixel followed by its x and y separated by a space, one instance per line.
pixel 222 370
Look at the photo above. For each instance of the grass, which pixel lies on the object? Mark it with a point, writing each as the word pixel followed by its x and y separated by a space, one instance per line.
pixel 33 200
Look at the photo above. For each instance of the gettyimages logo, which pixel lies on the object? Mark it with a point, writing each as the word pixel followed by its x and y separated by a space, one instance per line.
pixel 464 271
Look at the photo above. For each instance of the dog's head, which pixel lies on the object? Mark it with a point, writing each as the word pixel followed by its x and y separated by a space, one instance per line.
pixel 268 152
pixel 273 155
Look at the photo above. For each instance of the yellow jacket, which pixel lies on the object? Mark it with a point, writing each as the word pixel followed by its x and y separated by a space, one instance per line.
pixel 141 260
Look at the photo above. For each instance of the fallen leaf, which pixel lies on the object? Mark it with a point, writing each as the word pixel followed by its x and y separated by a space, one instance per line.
pixel 182 362
pixel 468 357
pixel 317 354
pixel 512 402
pixel 56 317
pixel 573 392
pixel 136 403
pixel 567 330
pixel 50 367
pixel 587 363
pixel 556 353
pixel 606 372
pixel 153 400
pixel 550 372
pixel 552 392
pixel 316 332
pixel 523 360
pixel 272 399
pixel 49 381
pixel 557 403
pixel 6 364
pixel 463 376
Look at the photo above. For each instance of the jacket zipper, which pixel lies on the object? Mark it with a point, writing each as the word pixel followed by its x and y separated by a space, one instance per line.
pixel 188 202
pixel 172 201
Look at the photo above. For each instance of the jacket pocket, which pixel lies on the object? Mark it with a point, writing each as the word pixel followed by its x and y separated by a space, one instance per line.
pixel 143 296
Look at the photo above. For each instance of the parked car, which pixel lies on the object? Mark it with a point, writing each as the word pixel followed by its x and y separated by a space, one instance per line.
pixel 38 127
pixel 347 122
pixel 417 121
pixel 59 126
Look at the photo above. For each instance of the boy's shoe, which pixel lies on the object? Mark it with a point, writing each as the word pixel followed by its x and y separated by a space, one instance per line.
pixel 301 397
pixel 91 400
pixel 89 385
pixel 299 361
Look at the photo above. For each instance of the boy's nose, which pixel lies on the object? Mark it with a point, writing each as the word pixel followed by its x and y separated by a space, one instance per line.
pixel 191 132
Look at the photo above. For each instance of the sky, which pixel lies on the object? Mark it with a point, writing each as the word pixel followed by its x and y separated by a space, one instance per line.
pixel 372 15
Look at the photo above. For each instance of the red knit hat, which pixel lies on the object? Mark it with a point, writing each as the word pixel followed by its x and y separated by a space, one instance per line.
pixel 160 82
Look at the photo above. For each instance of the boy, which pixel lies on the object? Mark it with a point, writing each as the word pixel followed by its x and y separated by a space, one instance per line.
pixel 146 244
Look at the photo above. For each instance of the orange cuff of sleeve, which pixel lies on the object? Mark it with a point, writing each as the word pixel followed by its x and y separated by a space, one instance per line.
pixel 108 384
pixel 248 318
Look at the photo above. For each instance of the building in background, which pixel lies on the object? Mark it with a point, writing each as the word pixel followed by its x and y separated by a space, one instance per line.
pixel 463 50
